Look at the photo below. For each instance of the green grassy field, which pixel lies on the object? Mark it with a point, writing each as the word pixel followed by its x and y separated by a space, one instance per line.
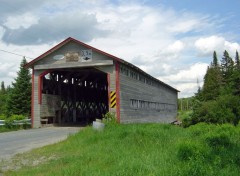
pixel 139 149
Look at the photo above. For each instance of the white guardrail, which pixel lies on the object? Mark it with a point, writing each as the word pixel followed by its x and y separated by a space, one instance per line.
pixel 17 122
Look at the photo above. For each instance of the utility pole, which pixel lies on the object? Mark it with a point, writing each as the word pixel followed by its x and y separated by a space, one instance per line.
pixel 181 104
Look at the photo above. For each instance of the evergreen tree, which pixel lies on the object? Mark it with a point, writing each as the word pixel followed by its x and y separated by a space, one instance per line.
pixel 3 90
pixel 226 65
pixel 3 97
pixel 198 95
pixel 215 60
pixel 19 101
pixel 227 69
pixel 212 81
pixel 219 103
pixel 237 61
pixel 236 76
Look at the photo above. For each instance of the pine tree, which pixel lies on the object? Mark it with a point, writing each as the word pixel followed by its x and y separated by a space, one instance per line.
pixel 19 101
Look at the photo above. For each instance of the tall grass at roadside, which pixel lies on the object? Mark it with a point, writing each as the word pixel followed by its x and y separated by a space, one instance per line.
pixel 5 129
pixel 142 149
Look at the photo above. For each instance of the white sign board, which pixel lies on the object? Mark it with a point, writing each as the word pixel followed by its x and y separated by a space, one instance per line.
pixel 86 55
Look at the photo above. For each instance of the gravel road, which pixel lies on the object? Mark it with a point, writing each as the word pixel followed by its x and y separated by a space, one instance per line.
pixel 21 141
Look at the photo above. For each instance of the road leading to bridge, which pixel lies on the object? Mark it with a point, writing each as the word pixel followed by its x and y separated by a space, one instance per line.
pixel 21 141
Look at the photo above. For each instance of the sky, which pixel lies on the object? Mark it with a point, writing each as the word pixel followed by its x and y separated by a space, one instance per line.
pixel 172 40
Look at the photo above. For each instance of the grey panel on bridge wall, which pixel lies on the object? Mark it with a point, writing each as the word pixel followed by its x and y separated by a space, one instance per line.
pixel 144 99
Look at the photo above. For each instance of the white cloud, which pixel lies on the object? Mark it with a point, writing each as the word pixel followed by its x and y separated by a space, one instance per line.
pixel 207 45
pixel 177 46
pixel 25 20
pixel 187 89
pixel 185 80
pixel 5 66
pixel 232 47
pixel 184 26
pixel 187 22
pixel 171 52
pixel 192 73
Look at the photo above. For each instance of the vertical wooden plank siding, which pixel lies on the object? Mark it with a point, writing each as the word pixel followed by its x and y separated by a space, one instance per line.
pixel 108 81
pixel 117 91
pixel 32 99
pixel 40 85
pixel 36 105
pixel 145 100
pixel 39 89
pixel 111 78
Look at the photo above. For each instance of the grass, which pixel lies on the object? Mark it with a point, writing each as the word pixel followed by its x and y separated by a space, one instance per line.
pixel 139 149
pixel 14 128
pixel 4 129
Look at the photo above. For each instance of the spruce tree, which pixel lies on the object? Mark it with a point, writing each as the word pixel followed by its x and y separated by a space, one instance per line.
pixel 215 60
pixel 212 81
pixel 227 69
pixel 226 64
pixel 2 98
pixel 237 61
pixel 19 101
pixel 236 76
pixel 211 87
pixel 220 103
pixel 3 89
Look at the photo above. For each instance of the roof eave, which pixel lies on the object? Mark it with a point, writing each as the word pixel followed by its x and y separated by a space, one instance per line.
pixel 30 64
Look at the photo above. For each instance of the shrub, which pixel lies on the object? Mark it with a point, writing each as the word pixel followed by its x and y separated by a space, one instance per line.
pixel 200 129
pixel 225 109
pixel 184 115
pixel 2 117
pixel 218 140
pixel 189 150
pixel 109 118
pixel 17 117
pixel 9 122
pixel 187 122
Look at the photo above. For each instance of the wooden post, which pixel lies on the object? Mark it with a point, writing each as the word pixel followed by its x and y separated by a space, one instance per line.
pixel 59 113
pixel 74 103
pixel 181 104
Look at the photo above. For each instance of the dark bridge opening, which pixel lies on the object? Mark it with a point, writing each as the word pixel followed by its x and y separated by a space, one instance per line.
pixel 75 95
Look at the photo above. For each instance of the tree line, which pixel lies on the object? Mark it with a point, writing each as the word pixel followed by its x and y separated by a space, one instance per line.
pixel 16 99
pixel 218 100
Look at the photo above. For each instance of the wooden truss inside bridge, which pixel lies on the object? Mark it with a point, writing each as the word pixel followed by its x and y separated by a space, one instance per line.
pixel 83 94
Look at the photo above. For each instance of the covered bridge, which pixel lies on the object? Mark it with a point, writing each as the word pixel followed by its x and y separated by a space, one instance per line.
pixel 77 83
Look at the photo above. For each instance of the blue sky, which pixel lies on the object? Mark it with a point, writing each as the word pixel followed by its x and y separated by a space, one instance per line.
pixel 224 10
pixel 173 40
